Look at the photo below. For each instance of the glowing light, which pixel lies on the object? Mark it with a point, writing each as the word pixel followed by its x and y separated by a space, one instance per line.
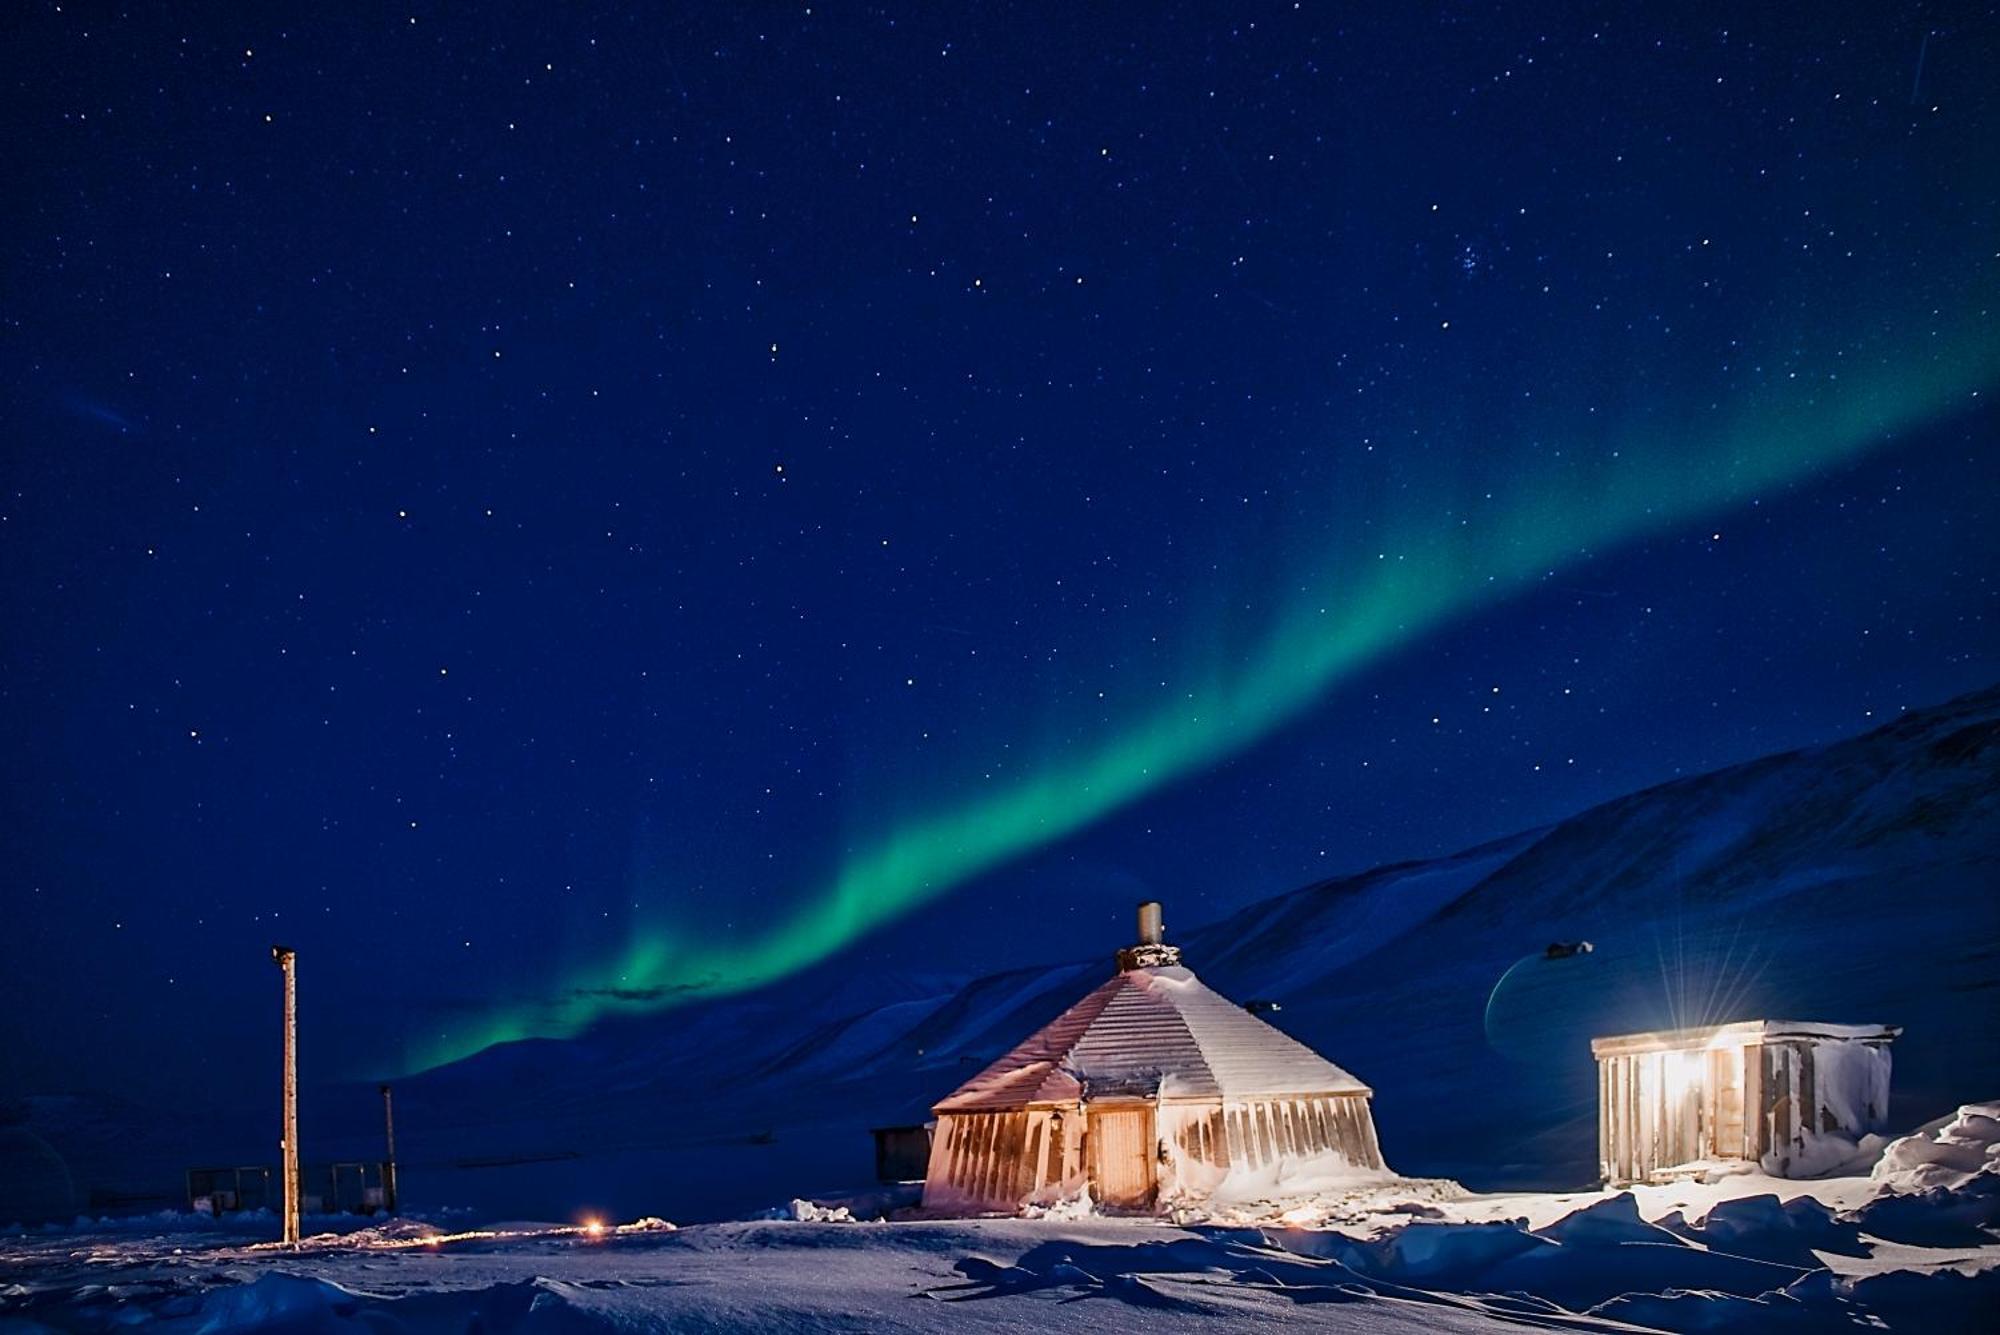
pixel 594 1227
pixel 1680 1075
pixel 1679 464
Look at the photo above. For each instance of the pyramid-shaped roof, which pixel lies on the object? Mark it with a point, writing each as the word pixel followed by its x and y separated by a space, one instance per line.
pixel 1151 1031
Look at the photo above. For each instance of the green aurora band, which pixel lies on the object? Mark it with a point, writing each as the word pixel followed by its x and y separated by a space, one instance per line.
pixel 1575 503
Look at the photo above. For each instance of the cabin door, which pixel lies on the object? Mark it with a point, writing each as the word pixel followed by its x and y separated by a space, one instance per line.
pixel 1726 1089
pixel 1121 1156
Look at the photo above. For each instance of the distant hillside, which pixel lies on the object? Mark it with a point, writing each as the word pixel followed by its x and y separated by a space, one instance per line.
pixel 1858 881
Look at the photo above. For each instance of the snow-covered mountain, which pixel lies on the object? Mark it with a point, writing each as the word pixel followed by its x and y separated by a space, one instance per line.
pixel 1857 881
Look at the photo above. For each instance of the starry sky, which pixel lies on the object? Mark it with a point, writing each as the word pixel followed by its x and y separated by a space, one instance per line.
pixel 549 513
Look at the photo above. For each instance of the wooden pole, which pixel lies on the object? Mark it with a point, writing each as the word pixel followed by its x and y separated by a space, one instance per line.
pixel 389 1164
pixel 286 960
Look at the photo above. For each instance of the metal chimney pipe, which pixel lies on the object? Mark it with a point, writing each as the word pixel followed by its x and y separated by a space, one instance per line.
pixel 1152 931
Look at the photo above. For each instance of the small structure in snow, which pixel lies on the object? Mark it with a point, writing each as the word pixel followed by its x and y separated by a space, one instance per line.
pixel 218 1191
pixel 334 1188
pixel 1793 1099
pixel 902 1153
pixel 1151 1091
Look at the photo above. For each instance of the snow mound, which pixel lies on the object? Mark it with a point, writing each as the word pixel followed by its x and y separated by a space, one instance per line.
pixel 1940 1186
pixel 276 1301
pixel 811 1212
pixel 1590 1256
pixel 1829 1154
pixel 1183 1275
pixel 1948 1153
pixel 1791 1233
pixel 1423 1251
pixel 1967 1216
pixel 1939 1301
pixel 1608 1223
pixel 648 1224
pixel 1340 1196
pixel 1079 1206
pixel 1755 1267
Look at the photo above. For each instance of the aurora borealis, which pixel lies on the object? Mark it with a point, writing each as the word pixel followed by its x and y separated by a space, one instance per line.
pixel 555 515
pixel 1617 491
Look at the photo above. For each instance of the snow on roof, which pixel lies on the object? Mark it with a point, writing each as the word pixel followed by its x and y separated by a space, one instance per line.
pixel 1736 1034
pixel 1146 1032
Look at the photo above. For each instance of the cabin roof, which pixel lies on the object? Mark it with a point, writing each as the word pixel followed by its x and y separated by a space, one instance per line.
pixel 1738 1034
pixel 1151 1032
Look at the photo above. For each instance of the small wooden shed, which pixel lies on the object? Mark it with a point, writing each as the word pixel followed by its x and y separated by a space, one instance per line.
pixel 902 1152
pixel 1151 1091
pixel 1789 1097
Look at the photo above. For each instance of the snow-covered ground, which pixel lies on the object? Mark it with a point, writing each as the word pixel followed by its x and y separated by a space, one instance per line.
pixel 978 1274
pixel 1916 1243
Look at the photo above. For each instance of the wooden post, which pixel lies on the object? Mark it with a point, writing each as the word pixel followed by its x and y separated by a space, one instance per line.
pixel 286 960
pixel 389 1164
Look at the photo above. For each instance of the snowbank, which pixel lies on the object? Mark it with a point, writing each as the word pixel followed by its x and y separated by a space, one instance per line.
pixel 1753 1264
pixel 1749 1265
pixel 1947 1153
pixel 1794 1232
pixel 811 1212
pixel 1326 1174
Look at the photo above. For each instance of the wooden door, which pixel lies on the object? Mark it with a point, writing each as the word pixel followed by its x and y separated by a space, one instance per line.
pixel 1727 1091
pixel 1121 1156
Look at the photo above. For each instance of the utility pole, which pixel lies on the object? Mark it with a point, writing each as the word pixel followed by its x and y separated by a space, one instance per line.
pixel 286 959
pixel 389 1164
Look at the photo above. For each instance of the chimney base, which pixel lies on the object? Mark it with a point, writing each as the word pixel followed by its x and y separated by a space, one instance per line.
pixel 1148 955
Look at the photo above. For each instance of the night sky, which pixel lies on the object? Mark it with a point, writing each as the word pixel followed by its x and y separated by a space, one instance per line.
pixel 552 512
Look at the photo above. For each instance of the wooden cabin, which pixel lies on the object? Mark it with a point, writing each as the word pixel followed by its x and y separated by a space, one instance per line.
pixel 1151 1091
pixel 1786 1097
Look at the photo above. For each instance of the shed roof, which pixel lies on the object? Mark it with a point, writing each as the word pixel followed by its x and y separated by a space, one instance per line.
pixel 1738 1034
pixel 1151 1031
